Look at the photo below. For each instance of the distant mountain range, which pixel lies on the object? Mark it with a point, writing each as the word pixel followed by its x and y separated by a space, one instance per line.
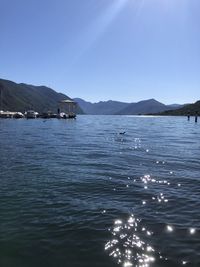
pixel 101 108
pixel 21 97
pixel 110 107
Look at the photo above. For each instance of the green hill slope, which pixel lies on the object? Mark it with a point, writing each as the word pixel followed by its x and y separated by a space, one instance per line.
pixel 191 108
pixel 21 97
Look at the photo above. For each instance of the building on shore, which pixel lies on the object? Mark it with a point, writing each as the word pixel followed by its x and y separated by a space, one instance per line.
pixel 67 109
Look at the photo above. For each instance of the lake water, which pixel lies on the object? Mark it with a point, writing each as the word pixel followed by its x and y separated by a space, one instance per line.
pixel 76 193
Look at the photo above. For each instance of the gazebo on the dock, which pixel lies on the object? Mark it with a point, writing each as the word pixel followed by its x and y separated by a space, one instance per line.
pixel 67 106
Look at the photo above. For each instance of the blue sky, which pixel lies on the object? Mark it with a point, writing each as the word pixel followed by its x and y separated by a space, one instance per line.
pixel 126 50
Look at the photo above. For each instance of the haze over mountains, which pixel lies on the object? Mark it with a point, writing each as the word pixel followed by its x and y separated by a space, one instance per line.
pixel 101 108
pixel 110 107
pixel 21 97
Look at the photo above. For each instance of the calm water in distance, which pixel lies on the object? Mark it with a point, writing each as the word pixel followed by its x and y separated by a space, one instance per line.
pixel 76 193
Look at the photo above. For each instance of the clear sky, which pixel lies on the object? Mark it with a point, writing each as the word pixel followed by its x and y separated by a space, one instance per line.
pixel 126 50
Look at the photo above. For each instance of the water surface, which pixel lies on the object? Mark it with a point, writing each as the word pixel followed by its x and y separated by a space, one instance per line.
pixel 78 193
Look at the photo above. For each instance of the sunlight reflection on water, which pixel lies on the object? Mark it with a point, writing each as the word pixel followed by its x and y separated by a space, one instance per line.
pixel 128 246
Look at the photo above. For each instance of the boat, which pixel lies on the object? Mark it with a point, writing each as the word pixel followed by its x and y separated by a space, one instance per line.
pixel 31 114
pixel 64 115
pixel 18 115
pixel 71 115
pixel 47 115
pixel 6 114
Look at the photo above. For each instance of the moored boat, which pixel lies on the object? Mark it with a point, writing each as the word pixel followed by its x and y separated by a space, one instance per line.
pixel 64 115
pixel 31 114
pixel 18 115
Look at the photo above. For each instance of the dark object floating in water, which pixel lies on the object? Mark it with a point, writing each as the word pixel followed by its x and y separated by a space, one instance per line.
pixel 122 133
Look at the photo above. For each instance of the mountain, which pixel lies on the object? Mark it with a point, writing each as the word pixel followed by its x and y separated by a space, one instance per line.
pixel 110 107
pixel 189 108
pixel 20 97
pixel 150 106
pixel 101 108
pixel 143 107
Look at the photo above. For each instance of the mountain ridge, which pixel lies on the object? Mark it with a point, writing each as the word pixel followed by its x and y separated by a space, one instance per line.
pixel 188 109
pixel 111 107
pixel 21 97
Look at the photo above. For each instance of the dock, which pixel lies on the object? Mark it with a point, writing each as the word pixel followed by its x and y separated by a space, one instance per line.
pixel 66 110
